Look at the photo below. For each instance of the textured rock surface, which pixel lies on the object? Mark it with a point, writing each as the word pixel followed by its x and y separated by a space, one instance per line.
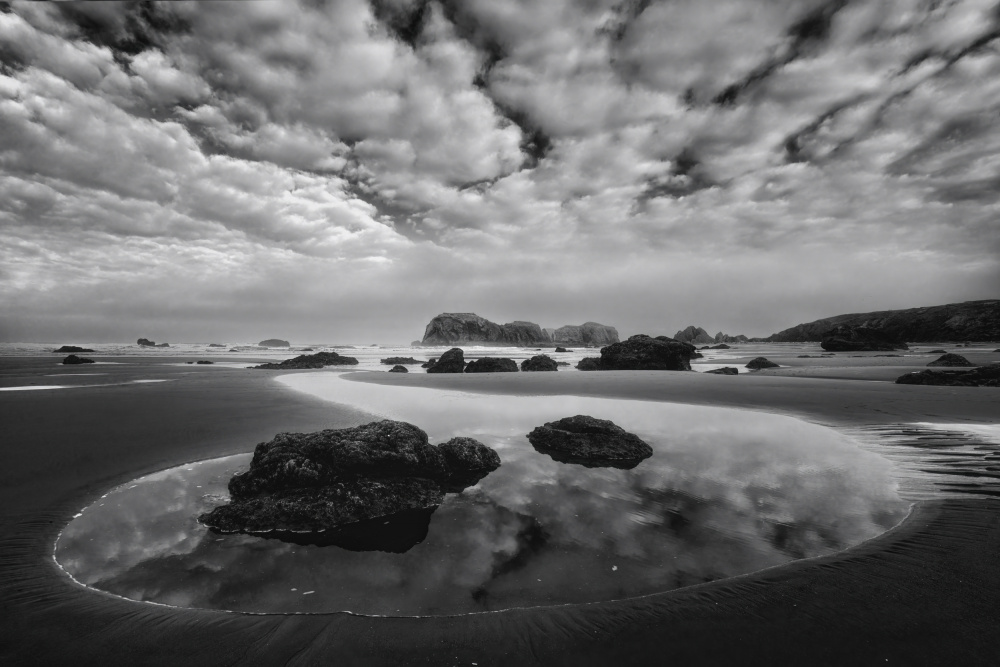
pixel 984 376
pixel 398 369
pixel 587 440
pixel 728 370
pixel 318 360
pixel 859 339
pixel 72 348
pixel 274 342
pixel 320 481
pixel 400 361
pixel 761 362
pixel 951 360
pixel 452 328
pixel 642 353
pixel 695 335
pixel 589 364
pixel 73 359
pixel 540 362
pixel 588 333
pixel 452 361
pixel 491 365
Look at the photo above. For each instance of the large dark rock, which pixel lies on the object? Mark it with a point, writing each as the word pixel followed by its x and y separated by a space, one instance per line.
pixel 589 441
pixel 540 362
pixel 73 359
pixel 859 339
pixel 589 364
pixel 452 328
pixel 318 482
pixel 984 376
pixel 399 361
pixel 951 360
pixel 318 360
pixel 562 349
pixel 694 334
pixel 588 333
pixel 491 365
pixel 204 362
pixel 274 342
pixel 452 361
pixel 728 370
pixel 72 348
pixel 145 342
pixel 398 369
pixel 642 353
pixel 761 362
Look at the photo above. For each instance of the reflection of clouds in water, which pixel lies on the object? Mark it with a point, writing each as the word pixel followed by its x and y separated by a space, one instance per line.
pixel 725 492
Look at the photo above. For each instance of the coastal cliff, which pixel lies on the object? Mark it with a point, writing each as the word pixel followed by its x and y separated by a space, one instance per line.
pixel 469 328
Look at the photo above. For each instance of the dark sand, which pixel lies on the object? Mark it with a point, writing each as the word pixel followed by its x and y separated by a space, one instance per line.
pixel 924 594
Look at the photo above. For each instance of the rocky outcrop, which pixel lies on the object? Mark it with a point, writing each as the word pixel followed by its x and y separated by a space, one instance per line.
pixel 274 342
pixel 452 361
pixel 491 365
pixel 145 342
pixel 642 353
pixel 452 328
pixel 540 362
pixel 399 369
pixel 695 335
pixel 318 360
pixel 317 482
pixel 847 338
pixel 761 362
pixel 970 320
pixel 726 338
pixel 72 348
pixel 590 442
pixel 400 361
pixel 73 359
pixel 728 370
pixel 951 360
pixel 984 376
pixel 588 333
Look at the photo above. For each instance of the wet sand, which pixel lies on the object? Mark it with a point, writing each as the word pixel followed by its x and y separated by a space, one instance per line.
pixel 924 593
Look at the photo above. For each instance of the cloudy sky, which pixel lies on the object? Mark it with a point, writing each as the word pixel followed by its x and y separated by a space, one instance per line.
pixel 342 171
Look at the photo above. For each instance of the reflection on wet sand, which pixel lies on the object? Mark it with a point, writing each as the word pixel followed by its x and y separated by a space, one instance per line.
pixel 725 492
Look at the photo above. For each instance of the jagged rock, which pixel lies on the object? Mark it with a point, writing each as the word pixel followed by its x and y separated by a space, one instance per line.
pixel 399 361
pixel 588 333
pixel 761 362
pixel 726 338
pixel 642 353
pixel 73 359
pixel 318 360
pixel 589 364
pixel 399 369
pixel 145 342
pixel 274 342
pixel 589 441
pixel 540 362
pixel 859 339
pixel 204 362
pixel 317 482
pixel 562 349
pixel 215 345
pixel 984 376
pixel 491 365
pixel 728 370
pixel 951 360
pixel 72 348
pixel 693 335
pixel 451 328
pixel 452 361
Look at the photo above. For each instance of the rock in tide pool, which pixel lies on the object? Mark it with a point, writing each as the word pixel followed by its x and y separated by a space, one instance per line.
pixel 398 369
pixel 491 365
pixel 318 360
pixel 590 442
pixel 73 359
pixel 951 360
pixel 72 348
pixel 984 376
pixel 324 481
pixel 452 361
pixel 761 362
pixel 540 362
pixel 728 370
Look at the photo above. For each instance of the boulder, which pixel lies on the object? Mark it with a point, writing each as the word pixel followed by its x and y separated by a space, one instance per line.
pixel 318 360
pixel 491 365
pixel 540 362
pixel 562 349
pixel 397 361
pixel 329 480
pixel 204 362
pixel 984 376
pixel 728 370
pixel 938 352
pixel 73 359
pixel 642 353
pixel 452 361
pixel 430 362
pixel 452 328
pixel 761 362
pixel 399 369
pixel 693 335
pixel 847 338
pixel 588 333
pixel 589 441
pixel 145 342
pixel 589 364
pixel 274 342
pixel 951 360
pixel 72 348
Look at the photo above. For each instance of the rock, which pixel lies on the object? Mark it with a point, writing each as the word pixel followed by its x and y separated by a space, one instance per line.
pixel 323 481
pixel 951 360
pixel 642 353
pixel 430 362
pixel 726 338
pixel 274 342
pixel 720 346
pixel 399 369
pixel 589 364
pixel 452 361
pixel 318 360
pixel 73 359
pixel 939 352
pixel 204 362
pixel 589 441
pixel 728 370
pixel 305 349
pixel 216 345
pixel 859 339
pixel 491 365
pixel 144 342
pixel 761 362
pixel 984 376
pixel 162 345
pixel 396 361
pixel 562 363
pixel 694 335
pixel 562 349
pixel 540 362
pixel 72 348
pixel 588 333
pixel 451 328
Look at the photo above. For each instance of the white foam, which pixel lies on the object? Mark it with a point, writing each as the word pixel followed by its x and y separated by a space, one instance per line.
pixel 35 387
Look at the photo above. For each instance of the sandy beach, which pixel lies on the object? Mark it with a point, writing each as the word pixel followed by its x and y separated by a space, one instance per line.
pixel 923 593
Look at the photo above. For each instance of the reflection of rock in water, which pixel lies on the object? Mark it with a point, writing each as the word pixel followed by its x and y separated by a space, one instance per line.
pixel 397 533
pixel 531 539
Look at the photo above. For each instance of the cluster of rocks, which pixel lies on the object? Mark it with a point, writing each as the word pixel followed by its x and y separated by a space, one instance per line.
pixel 145 342
pixel 73 359
pixel 202 362
pixel 274 342
pixel 697 335
pixel 642 353
pixel 469 328
pixel 983 376
pixel 72 348
pixel 318 360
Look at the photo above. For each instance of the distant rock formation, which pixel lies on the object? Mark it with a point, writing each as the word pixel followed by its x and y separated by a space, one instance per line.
pixel 761 362
pixel 72 348
pixel 589 441
pixel 491 365
pixel 728 370
pixel 967 321
pixel 720 346
pixel 951 360
pixel 452 361
pixel 541 362
pixel 145 342
pixel 847 338
pixel 589 364
pixel 73 359
pixel 204 362
pixel 984 376
pixel 162 345
pixel 216 345
pixel 726 338
pixel 399 369
pixel 400 361
pixel 642 353
pixel 452 328
pixel 588 333
pixel 318 360
pixel 695 335
pixel 274 342
pixel 562 349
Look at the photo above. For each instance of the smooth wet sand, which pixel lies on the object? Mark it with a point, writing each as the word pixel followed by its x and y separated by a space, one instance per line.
pixel 925 593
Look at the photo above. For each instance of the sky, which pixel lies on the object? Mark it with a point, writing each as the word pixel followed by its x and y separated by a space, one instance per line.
pixel 344 170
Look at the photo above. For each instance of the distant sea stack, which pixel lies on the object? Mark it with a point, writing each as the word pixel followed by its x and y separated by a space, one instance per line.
pixel 469 328
pixel 274 342
pixel 697 335
pixel 588 333
pixel 970 320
